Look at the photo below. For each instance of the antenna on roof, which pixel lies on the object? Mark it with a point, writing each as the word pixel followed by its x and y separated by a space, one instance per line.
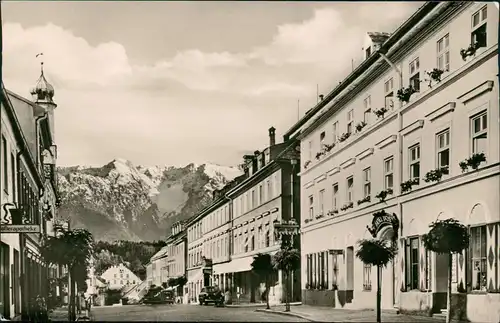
pixel 298 109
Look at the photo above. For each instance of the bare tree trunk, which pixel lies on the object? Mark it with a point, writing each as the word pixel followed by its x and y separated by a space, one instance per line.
pixel 448 296
pixel 379 293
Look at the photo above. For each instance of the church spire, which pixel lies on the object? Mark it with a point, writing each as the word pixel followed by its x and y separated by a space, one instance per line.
pixel 43 92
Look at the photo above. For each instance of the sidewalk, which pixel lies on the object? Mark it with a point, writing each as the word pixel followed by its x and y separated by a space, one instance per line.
pixel 263 305
pixel 60 314
pixel 328 314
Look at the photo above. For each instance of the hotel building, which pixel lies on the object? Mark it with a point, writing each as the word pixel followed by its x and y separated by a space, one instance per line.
pixel 373 144
pixel 177 254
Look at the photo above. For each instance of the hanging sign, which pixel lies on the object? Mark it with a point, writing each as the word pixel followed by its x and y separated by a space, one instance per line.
pixel 382 219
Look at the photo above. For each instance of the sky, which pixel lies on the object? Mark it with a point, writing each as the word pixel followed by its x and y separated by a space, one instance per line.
pixel 173 83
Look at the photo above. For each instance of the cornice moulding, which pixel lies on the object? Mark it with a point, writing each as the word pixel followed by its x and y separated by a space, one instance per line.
pixel 412 127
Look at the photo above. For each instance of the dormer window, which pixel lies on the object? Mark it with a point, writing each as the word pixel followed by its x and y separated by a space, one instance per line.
pixel 368 51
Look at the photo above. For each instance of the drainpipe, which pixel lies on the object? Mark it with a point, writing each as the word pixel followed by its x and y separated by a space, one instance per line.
pixel 397 189
pixel 24 314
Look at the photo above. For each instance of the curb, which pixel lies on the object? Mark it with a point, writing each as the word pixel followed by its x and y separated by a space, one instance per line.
pixel 300 316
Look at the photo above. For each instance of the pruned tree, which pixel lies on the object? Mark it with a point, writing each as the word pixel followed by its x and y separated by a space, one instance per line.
pixel 447 237
pixel 287 260
pixel 71 248
pixel 262 266
pixel 378 253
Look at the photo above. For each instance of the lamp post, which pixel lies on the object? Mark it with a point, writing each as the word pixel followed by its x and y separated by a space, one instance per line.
pixel 285 231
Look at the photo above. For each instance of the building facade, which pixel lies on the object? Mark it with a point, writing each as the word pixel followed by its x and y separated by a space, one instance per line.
pixel 120 276
pixel 177 256
pixel 239 224
pixel 29 196
pixel 159 263
pixel 375 148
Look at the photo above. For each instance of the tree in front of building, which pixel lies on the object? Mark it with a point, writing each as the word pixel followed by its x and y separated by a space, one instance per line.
pixel 447 237
pixel 262 266
pixel 287 260
pixel 71 248
pixel 376 252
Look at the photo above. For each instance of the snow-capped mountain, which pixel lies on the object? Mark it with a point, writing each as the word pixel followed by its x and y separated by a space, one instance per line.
pixel 121 201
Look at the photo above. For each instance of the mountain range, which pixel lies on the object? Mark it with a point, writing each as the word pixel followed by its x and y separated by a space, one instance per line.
pixel 120 201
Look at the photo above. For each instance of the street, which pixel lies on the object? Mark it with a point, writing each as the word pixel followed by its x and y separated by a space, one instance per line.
pixel 178 313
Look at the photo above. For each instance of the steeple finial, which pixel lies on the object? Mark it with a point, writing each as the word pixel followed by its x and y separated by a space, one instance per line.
pixel 41 63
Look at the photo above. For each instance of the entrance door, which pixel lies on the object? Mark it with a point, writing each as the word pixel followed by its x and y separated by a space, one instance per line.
pixel 5 280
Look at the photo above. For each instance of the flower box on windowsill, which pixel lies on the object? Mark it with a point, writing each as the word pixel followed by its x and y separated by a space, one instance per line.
pixel 382 195
pixel 307 220
pixel 306 164
pixel 469 51
pixel 367 288
pixel 380 112
pixel 344 136
pixel 360 126
pixel 319 216
pixel 347 206
pixel 364 200
pixel 473 162
pixel 405 94
pixel 436 174
pixel 408 185
pixel 333 212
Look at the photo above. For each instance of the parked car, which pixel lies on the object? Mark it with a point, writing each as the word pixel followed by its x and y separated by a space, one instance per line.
pixel 210 294
pixel 159 296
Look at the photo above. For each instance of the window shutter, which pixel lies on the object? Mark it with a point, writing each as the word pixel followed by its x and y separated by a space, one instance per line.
pixel 491 237
pixel 407 264
pixel 422 264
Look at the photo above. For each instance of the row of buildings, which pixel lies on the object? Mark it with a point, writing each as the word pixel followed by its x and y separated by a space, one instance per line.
pixel 413 131
pixel 29 197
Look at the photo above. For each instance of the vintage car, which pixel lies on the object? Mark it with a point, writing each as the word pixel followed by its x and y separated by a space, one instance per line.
pixel 158 295
pixel 211 294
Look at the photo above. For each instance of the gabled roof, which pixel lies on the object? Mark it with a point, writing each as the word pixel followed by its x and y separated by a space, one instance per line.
pixel 163 252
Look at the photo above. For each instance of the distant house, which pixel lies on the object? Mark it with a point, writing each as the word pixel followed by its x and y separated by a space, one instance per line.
pixel 159 267
pixel 120 276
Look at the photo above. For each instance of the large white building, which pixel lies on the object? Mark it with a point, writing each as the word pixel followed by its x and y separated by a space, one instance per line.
pixel 120 276
pixel 352 152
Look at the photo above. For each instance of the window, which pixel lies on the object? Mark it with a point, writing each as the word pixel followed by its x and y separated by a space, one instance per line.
pixel 389 94
pixel 321 201
pixel 367 282
pixel 268 238
pixel 366 182
pixel 13 170
pixel 443 53
pixel 478 34
pixel 478 258
pixel 269 190
pixel 252 243
pixel 350 186
pixel 310 150
pixel 5 164
pixel 415 74
pixel 121 282
pixel 322 138
pixel 335 190
pixel 253 200
pixel 350 117
pixel 479 133
pixel 413 270
pixel 414 161
pixel 261 194
pixel 368 109
pixel 335 131
pixel 368 51
pixel 443 148
pixel 311 207
pixel 388 172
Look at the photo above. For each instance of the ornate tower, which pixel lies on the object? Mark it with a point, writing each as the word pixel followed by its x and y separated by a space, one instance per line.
pixel 43 95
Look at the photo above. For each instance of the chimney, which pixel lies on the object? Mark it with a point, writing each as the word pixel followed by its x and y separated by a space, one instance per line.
pixel 272 136
pixel 321 97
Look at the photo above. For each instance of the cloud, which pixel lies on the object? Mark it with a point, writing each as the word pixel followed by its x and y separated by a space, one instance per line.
pixel 195 100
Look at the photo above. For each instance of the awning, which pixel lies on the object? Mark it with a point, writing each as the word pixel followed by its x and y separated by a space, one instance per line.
pixel 234 266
